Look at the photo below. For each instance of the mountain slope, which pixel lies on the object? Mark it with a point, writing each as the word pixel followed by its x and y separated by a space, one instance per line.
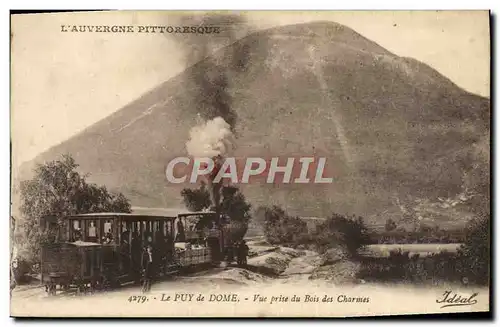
pixel 389 126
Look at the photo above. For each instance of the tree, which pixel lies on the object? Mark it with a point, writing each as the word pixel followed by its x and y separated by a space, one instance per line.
pixel 196 199
pixel 233 205
pixel 58 190
pixel 273 221
pixel 390 225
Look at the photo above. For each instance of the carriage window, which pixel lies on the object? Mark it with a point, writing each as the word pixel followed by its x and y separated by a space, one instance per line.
pixel 178 226
pixel 107 238
pixel 159 231
pixel 171 228
pixel 53 231
pixel 166 228
pixel 190 223
pixel 92 230
pixel 76 232
pixel 107 226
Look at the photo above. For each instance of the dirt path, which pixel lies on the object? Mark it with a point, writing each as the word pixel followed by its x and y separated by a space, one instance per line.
pixel 303 265
pixel 296 268
pixel 271 265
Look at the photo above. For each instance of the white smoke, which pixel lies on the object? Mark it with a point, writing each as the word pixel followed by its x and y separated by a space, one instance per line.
pixel 210 139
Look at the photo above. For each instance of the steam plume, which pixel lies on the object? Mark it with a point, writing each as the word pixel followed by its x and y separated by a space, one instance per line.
pixel 212 74
pixel 211 139
pixel 214 136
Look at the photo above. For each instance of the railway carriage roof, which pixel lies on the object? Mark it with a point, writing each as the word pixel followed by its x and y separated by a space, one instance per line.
pixel 78 244
pixel 84 244
pixel 142 214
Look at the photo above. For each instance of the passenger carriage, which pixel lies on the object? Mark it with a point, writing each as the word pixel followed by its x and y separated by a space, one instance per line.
pixel 102 250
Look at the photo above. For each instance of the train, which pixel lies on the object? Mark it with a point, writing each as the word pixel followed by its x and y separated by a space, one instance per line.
pixel 103 250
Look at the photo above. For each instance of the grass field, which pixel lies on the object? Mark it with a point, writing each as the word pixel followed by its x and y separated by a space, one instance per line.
pixel 383 250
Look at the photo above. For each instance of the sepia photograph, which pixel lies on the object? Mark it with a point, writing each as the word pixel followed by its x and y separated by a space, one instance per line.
pixel 250 163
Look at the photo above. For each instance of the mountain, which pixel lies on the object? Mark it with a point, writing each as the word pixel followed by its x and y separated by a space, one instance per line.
pixel 388 126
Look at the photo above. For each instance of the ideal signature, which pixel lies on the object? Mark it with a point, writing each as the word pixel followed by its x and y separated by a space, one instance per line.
pixel 451 299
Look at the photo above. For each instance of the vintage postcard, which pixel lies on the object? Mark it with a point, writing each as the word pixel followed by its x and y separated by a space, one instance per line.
pixel 250 164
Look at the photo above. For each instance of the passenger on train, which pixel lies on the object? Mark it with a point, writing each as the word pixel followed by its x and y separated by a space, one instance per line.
pixel 149 239
pixel 77 234
pixel 180 236
pixel 108 238
pixel 107 226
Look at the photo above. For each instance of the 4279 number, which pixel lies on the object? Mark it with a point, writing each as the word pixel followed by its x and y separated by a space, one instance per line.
pixel 138 298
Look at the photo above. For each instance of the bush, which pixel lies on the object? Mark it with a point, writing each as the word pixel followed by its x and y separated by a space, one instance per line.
pixel 475 252
pixel 403 267
pixel 350 233
pixel 390 225
pixel 433 269
pixel 20 268
pixel 280 228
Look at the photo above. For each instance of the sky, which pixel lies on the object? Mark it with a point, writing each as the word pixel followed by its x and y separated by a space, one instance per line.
pixel 62 83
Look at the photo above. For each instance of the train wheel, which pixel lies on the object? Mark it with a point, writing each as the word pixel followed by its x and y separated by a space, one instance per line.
pixel 98 284
pixel 80 288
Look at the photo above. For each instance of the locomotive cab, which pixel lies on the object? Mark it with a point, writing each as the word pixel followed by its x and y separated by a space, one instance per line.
pixel 198 238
